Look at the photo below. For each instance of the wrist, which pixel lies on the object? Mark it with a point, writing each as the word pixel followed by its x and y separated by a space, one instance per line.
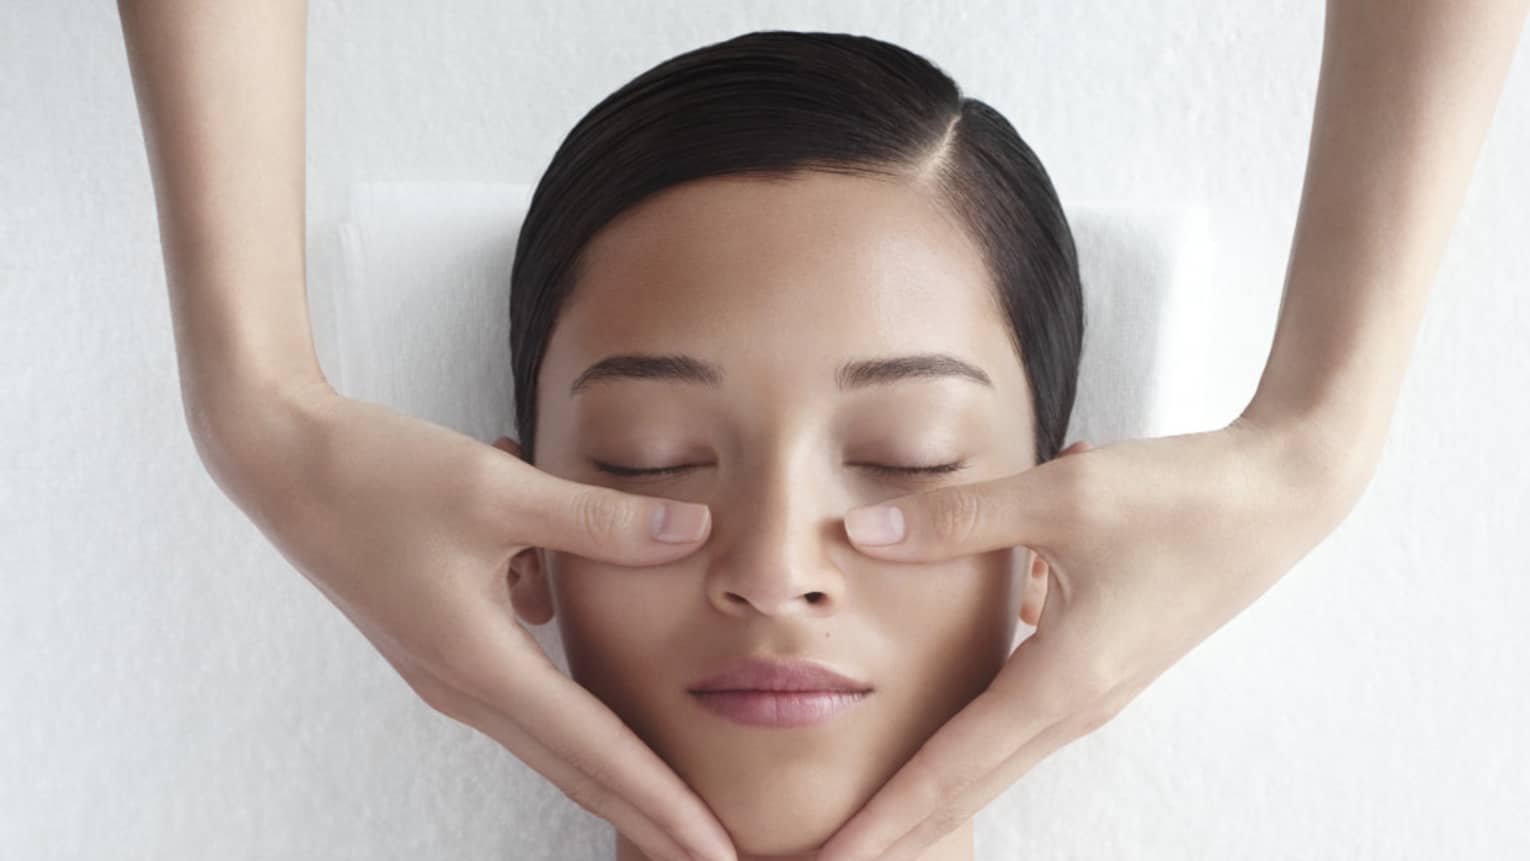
pixel 247 415
pixel 1320 458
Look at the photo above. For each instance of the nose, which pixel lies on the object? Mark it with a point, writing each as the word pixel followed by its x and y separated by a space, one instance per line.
pixel 772 555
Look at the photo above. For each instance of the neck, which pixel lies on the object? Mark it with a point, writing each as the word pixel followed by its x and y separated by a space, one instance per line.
pixel 956 846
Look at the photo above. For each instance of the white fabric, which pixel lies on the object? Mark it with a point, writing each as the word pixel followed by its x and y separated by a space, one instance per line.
pixel 421 316
pixel 422 309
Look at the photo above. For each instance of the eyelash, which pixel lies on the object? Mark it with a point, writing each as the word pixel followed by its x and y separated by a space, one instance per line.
pixel 938 469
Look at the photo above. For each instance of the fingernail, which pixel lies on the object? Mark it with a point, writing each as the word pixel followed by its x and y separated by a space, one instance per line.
pixel 717 852
pixel 880 524
pixel 679 522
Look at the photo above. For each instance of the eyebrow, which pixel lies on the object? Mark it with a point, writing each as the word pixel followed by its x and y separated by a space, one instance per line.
pixel 851 375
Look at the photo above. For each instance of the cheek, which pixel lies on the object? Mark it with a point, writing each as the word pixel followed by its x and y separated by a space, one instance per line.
pixel 946 631
pixel 961 610
pixel 600 608
pixel 614 621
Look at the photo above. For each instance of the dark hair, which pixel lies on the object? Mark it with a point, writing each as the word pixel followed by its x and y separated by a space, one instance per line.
pixel 769 105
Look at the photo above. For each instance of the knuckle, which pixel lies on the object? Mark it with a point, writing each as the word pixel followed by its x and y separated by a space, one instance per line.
pixel 600 517
pixel 946 818
pixel 589 793
pixel 1080 490
pixel 954 515
pixel 436 694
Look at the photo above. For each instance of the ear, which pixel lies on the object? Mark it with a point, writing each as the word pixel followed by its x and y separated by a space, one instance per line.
pixel 1035 589
pixel 507 444
pixel 1040 573
pixel 1077 448
pixel 529 592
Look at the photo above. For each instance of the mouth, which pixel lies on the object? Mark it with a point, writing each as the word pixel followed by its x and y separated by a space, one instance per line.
pixel 779 709
pixel 779 693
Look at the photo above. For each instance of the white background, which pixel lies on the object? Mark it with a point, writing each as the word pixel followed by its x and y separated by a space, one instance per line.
pixel 1373 704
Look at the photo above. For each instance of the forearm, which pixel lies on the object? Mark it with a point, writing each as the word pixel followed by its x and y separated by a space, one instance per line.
pixel 220 91
pixel 1405 95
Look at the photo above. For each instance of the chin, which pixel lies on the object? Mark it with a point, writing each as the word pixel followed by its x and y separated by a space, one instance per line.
pixel 779 792
pixel 783 793
pixel 781 812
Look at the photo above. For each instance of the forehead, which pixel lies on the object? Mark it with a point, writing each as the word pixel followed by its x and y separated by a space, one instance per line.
pixel 781 282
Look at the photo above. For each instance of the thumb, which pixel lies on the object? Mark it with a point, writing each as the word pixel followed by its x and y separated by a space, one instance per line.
pixel 544 510
pixel 1025 508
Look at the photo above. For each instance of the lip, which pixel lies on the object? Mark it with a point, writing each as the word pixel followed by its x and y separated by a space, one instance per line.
pixel 765 674
pixel 779 709
pixel 778 693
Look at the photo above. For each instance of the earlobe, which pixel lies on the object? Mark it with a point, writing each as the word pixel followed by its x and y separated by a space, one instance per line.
pixel 1040 573
pixel 508 445
pixel 529 592
pixel 526 578
pixel 1035 589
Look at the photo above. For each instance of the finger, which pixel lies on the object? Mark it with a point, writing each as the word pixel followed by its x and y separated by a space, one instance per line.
pixel 596 522
pixel 603 793
pixel 577 785
pixel 966 519
pixel 1081 721
pixel 655 838
pixel 1021 718
pixel 568 735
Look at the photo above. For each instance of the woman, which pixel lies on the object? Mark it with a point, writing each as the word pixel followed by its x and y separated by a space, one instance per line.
pixel 410 527
pixel 785 275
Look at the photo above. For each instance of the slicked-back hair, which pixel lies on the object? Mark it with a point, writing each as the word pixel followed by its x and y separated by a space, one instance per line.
pixel 769 105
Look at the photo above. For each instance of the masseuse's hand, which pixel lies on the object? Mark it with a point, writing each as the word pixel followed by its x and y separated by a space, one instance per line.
pixel 1151 544
pixel 409 527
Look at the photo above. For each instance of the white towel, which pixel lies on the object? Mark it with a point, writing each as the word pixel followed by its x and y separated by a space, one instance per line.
pixel 422 309
pixel 420 284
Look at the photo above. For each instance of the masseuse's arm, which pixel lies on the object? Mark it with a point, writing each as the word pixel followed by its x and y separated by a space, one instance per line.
pixel 1405 95
pixel 220 90
pixel 406 526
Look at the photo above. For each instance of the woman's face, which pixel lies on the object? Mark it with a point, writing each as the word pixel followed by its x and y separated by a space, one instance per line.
pixel 777 286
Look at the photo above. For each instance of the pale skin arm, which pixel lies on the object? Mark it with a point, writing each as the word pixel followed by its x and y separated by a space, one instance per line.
pixel 1154 544
pixel 406 526
pixel 220 91
pixel 1406 92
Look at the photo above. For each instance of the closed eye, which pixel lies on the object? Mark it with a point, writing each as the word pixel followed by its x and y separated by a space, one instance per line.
pixel 937 469
pixel 883 469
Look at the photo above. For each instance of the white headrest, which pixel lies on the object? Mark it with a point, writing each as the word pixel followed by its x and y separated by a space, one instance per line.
pixel 422 309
